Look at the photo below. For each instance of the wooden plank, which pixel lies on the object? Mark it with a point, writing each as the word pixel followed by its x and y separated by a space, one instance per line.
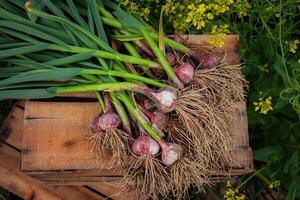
pixel 229 52
pixel 29 188
pixel 113 191
pixel 241 156
pixel 66 164
pixel 22 185
pixel 231 42
pixel 18 183
pixel 80 180
pixel 56 140
pixel 77 180
pixel 77 193
pixel 11 130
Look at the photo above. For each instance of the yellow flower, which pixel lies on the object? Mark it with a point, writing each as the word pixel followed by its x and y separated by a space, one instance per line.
pixel 145 13
pixel 179 26
pixel 216 41
pixel 264 68
pixel 282 21
pixel 168 6
pixel 270 8
pixel 191 6
pixel 135 8
pixel 201 8
pixel 274 184
pixel 240 197
pixel 228 184
pixel 298 61
pixel 199 13
pixel 125 2
pixel 229 194
pixel 264 106
pixel 242 7
pixel 232 193
pixel 294 45
pixel 229 2
pixel 210 16
pixel 221 8
pixel 196 15
pixel 218 34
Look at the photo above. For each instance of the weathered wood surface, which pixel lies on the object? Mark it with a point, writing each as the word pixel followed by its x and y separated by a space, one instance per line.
pixel 11 130
pixel 231 42
pixel 241 152
pixel 229 52
pixel 54 136
pixel 29 188
pixel 45 154
pixel 19 183
pixel 113 191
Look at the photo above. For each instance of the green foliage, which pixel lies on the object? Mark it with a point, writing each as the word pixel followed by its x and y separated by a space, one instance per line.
pixel 4 194
pixel 268 33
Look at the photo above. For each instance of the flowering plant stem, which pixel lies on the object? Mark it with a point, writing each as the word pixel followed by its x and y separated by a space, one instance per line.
pixel 250 177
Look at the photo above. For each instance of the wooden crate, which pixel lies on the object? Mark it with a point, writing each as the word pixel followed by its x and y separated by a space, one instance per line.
pixel 55 149
pixel 19 183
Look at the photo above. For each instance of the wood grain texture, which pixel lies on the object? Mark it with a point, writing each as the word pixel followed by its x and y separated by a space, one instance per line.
pixel 65 165
pixel 12 179
pixel 231 42
pixel 113 191
pixel 54 136
pixel 11 130
pixel 77 193
pixel 240 151
pixel 229 52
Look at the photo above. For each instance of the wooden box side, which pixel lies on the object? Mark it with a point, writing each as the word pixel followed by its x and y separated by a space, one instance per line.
pixel 54 137
pixel 27 187
pixel 54 144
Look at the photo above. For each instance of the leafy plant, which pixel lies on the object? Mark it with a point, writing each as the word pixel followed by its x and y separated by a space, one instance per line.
pixel 269 40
